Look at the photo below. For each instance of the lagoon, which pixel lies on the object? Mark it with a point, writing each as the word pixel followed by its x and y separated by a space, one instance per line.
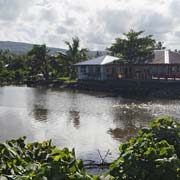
pixel 86 121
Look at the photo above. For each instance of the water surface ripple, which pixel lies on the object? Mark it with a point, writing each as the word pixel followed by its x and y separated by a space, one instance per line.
pixel 86 121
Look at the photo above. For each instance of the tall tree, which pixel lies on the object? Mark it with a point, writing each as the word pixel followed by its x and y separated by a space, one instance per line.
pixel 134 48
pixel 39 61
pixel 6 55
pixel 18 68
pixel 73 55
pixel 12 67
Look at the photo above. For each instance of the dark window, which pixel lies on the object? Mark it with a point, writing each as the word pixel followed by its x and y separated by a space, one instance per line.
pixel 83 69
pixel 113 70
pixel 97 69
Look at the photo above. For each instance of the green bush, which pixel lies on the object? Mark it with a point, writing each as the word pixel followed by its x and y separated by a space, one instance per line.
pixel 39 161
pixel 153 155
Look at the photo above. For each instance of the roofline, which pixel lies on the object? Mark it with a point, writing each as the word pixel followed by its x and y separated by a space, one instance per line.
pixel 145 64
pixel 79 63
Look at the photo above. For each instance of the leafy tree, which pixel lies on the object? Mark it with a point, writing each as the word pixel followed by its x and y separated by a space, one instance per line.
pixel 63 64
pixel 73 55
pixel 159 46
pixel 18 62
pixel 12 67
pixel 153 154
pixel 2 71
pixel 134 48
pixel 6 55
pixel 39 61
pixel 19 68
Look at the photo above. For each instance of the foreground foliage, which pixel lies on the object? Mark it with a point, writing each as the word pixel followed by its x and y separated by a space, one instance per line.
pixel 39 161
pixel 153 154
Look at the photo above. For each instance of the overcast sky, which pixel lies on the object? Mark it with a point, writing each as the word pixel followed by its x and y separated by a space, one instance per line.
pixel 95 22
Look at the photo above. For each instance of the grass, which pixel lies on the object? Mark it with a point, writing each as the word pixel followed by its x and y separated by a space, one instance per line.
pixel 67 80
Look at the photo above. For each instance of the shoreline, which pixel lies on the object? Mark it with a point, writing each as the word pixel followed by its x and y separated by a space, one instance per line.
pixel 135 89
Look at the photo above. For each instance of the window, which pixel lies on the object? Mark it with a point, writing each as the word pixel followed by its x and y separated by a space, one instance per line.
pixel 83 69
pixel 97 69
pixel 174 68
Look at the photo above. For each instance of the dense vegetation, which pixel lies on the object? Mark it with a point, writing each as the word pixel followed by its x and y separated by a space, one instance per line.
pixel 39 161
pixel 153 154
pixel 39 65
pixel 135 48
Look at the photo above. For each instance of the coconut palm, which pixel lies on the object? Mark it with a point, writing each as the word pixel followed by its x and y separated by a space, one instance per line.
pixel 72 55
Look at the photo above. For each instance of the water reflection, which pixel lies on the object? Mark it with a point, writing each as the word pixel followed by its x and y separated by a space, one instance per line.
pixel 86 121
pixel 123 134
pixel 13 124
pixel 128 119
pixel 40 114
pixel 74 116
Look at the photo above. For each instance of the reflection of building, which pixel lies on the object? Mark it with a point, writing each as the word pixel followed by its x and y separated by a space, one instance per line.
pixel 164 65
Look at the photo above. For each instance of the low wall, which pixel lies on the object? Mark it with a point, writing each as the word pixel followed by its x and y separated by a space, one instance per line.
pixel 135 88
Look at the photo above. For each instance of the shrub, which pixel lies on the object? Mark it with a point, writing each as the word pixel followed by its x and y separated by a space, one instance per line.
pixel 39 161
pixel 153 155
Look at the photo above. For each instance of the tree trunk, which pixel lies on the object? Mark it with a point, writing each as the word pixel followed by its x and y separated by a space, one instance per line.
pixel 72 72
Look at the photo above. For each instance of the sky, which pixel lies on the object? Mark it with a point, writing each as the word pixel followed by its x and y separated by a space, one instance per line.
pixel 96 22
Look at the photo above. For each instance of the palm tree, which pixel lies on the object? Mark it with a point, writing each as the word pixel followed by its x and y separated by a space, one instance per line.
pixel 73 55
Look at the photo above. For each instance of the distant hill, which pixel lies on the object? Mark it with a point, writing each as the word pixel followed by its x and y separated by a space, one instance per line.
pixel 22 48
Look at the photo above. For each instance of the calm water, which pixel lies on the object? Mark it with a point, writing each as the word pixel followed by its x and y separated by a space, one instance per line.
pixel 86 121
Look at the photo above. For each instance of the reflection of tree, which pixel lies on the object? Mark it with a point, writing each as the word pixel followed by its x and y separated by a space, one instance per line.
pixel 39 104
pixel 75 118
pixel 40 114
pixel 128 119
pixel 119 133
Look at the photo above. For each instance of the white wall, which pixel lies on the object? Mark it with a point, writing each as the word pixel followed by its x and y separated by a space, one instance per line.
pixel 85 75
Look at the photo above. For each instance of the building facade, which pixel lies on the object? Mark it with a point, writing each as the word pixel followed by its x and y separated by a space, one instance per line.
pixel 165 65
pixel 95 69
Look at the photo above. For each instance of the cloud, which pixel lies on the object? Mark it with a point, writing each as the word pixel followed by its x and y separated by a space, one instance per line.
pixel 48 14
pixel 7 12
pixel 156 24
pixel 11 10
pixel 97 24
pixel 61 30
pixel 70 21
pixel 174 8
pixel 116 21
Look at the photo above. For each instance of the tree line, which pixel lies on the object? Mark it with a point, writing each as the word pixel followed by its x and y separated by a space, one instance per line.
pixel 39 65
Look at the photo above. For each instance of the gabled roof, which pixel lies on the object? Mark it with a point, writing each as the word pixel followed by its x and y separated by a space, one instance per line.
pixel 159 57
pixel 174 58
pixel 165 57
pixel 102 60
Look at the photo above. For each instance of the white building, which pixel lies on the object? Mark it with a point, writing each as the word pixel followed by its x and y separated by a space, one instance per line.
pixel 94 69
